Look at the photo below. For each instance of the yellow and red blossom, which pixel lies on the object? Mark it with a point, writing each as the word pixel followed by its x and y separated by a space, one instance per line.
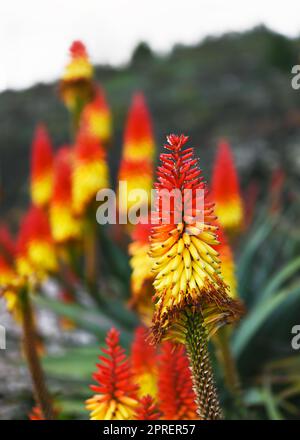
pixel 141 275
pixel 116 392
pixel 176 395
pixel 186 265
pixel 41 167
pixel 226 190
pixel 35 247
pixel 138 137
pixel 96 117
pixel 7 255
pixel 90 171
pixel 136 166
pixel 144 363
pixel 76 87
pixel 64 225
pixel 147 409
pixel 227 263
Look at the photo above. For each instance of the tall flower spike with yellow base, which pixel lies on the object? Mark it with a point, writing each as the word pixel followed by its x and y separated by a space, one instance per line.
pixel 76 86
pixel 191 299
pixel 63 223
pixel 227 263
pixel 36 254
pixel 144 365
pixel 90 171
pixel 136 168
pixel 226 190
pixel 41 167
pixel 9 279
pixel 96 117
pixel 141 275
pixel 116 392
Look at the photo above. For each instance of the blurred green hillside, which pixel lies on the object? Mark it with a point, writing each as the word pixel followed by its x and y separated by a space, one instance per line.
pixel 237 85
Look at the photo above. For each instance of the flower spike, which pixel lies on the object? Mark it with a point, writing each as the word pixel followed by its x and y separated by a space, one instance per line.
pixel 64 225
pixel 226 190
pixel 144 365
pixel 90 172
pixel 186 265
pixel 96 117
pixel 176 395
pixel 41 167
pixel 147 409
pixel 136 168
pixel 76 87
pixel 115 397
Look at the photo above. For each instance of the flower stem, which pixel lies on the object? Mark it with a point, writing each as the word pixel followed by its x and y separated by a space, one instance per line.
pixel 202 374
pixel 42 395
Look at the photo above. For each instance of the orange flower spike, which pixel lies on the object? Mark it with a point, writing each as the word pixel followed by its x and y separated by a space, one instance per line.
pixel 96 117
pixel 136 168
pixel 115 397
pixel 147 409
pixel 143 359
pixel 90 172
pixel 176 395
pixel 41 167
pixel 227 263
pixel 64 225
pixel 36 253
pixel 76 87
pixel 226 190
pixel 141 276
pixel 186 265
pixel 138 137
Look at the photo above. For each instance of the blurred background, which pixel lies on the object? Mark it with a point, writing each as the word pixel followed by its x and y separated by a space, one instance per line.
pixel 208 70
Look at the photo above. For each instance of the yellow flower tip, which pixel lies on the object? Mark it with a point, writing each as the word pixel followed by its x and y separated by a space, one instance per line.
pixel 76 85
pixel 231 214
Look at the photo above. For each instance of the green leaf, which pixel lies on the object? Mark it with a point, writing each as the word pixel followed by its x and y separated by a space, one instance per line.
pixel 254 242
pixel 278 279
pixel 258 315
pixel 76 363
pixel 94 322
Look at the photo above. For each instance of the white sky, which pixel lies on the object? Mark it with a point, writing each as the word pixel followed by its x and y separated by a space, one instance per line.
pixel 35 34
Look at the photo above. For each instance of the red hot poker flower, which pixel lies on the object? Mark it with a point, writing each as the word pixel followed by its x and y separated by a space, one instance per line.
pixel 115 397
pixel 144 363
pixel 35 248
pixel 147 409
pixel 176 395
pixel 96 117
pixel 41 167
pixel 226 189
pixel 186 265
pixel 64 225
